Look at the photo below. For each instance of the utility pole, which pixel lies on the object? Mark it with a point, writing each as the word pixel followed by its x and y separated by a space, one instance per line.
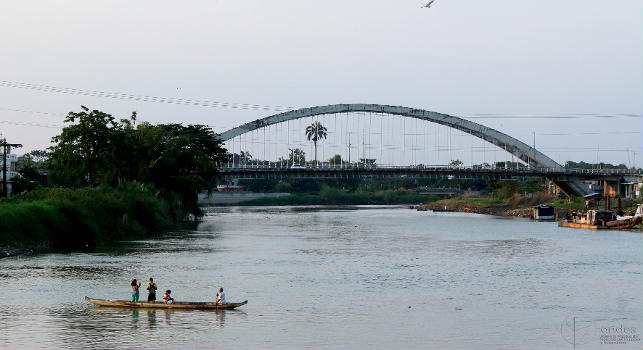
pixel 6 145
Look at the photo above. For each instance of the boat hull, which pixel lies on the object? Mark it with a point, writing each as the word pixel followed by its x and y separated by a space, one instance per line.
pixel 160 305
pixel 610 225
pixel 577 225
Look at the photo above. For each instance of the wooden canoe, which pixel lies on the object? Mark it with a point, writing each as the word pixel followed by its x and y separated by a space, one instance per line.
pixel 178 305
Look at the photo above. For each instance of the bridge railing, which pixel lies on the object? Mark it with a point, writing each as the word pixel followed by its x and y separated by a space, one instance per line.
pixel 436 168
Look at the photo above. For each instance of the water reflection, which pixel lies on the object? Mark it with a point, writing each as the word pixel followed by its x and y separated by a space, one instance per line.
pixel 134 318
pixel 220 318
pixel 151 319
pixel 167 314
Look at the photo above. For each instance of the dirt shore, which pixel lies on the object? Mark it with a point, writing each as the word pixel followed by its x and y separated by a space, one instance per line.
pixel 518 205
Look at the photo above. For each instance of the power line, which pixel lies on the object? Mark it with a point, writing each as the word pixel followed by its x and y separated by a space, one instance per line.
pixel 40 125
pixel 553 116
pixel 277 108
pixel 141 98
pixel 591 133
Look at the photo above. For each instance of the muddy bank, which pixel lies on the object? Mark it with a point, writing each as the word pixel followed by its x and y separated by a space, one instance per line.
pixel 519 206
pixel 466 208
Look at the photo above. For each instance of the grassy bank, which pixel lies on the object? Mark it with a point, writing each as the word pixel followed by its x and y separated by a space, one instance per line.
pixel 331 196
pixel 489 205
pixel 58 219
pixel 498 206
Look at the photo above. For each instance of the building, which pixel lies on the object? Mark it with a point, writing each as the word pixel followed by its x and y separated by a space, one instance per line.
pixel 12 162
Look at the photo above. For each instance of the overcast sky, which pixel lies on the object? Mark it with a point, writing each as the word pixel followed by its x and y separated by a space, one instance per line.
pixel 461 57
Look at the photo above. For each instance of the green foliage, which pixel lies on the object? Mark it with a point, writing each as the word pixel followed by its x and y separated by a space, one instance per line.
pixel 361 184
pixel 510 165
pixel 85 148
pixel 456 163
pixel 584 165
pixel 572 202
pixel 335 160
pixel 259 185
pixel 242 158
pixel 82 219
pixel 532 186
pixel 283 187
pixel 333 196
pixel 296 156
pixel 21 184
pixel 30 165
pixel 504 189
pixel 96 149
pixel 463 201
pixel 315 132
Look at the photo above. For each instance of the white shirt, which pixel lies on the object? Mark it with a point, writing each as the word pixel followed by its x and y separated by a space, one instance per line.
pixel 222 298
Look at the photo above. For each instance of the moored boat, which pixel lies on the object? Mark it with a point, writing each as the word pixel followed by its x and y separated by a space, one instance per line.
pixel 600 220
pixel 179 305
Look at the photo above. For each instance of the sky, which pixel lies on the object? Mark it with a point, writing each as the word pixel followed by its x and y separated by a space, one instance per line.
pixel 574 58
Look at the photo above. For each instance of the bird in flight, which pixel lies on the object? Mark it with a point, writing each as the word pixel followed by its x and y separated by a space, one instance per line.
pixel 428 4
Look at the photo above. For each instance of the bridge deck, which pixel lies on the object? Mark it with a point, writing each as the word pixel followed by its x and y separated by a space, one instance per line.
pixel 395 171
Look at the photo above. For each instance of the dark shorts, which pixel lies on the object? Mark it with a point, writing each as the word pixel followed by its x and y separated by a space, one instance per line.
pixel 151 297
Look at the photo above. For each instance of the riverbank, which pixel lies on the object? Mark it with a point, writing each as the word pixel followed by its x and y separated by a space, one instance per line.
pixel 517 205
pixel 82 219
pixel 332 196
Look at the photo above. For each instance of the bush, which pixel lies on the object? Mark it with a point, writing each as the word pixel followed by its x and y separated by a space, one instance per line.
pixel 85 218
pixel 506 189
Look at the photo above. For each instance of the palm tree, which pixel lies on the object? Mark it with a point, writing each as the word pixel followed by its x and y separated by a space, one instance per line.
pixel 316 132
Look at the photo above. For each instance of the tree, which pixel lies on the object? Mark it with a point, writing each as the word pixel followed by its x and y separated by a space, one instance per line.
pixel 38 155
pixel 368 162
pixel 297 156
pixel 180 159
pixel 82 148
pixel 456 163
pixel 335 160
pixel 245 157
pixel 316 132
pixel 96 149
pixel 239 159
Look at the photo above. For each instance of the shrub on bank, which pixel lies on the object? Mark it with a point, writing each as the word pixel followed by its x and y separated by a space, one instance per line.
pixel 333 196
pixel 83 218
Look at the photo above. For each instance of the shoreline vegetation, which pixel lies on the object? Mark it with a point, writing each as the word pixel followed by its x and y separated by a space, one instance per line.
pixel 61 219
pixel 108 180
pixel 516 205
pixel 334 196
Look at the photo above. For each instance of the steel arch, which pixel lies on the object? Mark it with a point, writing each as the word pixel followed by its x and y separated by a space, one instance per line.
pixel 516 147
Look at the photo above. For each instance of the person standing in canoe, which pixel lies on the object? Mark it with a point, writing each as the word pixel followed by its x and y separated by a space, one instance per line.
pixel 135 287
pixel 220 297
pixel 151 291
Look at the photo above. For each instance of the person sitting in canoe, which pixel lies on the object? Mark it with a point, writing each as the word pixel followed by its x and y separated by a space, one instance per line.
pixel 135 287
pixel 167 298
pixel 220 297
pixel 151 291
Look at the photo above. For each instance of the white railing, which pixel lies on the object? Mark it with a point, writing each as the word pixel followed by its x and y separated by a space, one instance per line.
pixel 446 168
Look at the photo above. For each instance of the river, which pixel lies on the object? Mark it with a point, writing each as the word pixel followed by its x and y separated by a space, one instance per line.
pixel 338 278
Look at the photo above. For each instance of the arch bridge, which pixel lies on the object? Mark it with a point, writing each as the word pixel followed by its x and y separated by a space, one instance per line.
pixel 521 150
pixel 537 163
